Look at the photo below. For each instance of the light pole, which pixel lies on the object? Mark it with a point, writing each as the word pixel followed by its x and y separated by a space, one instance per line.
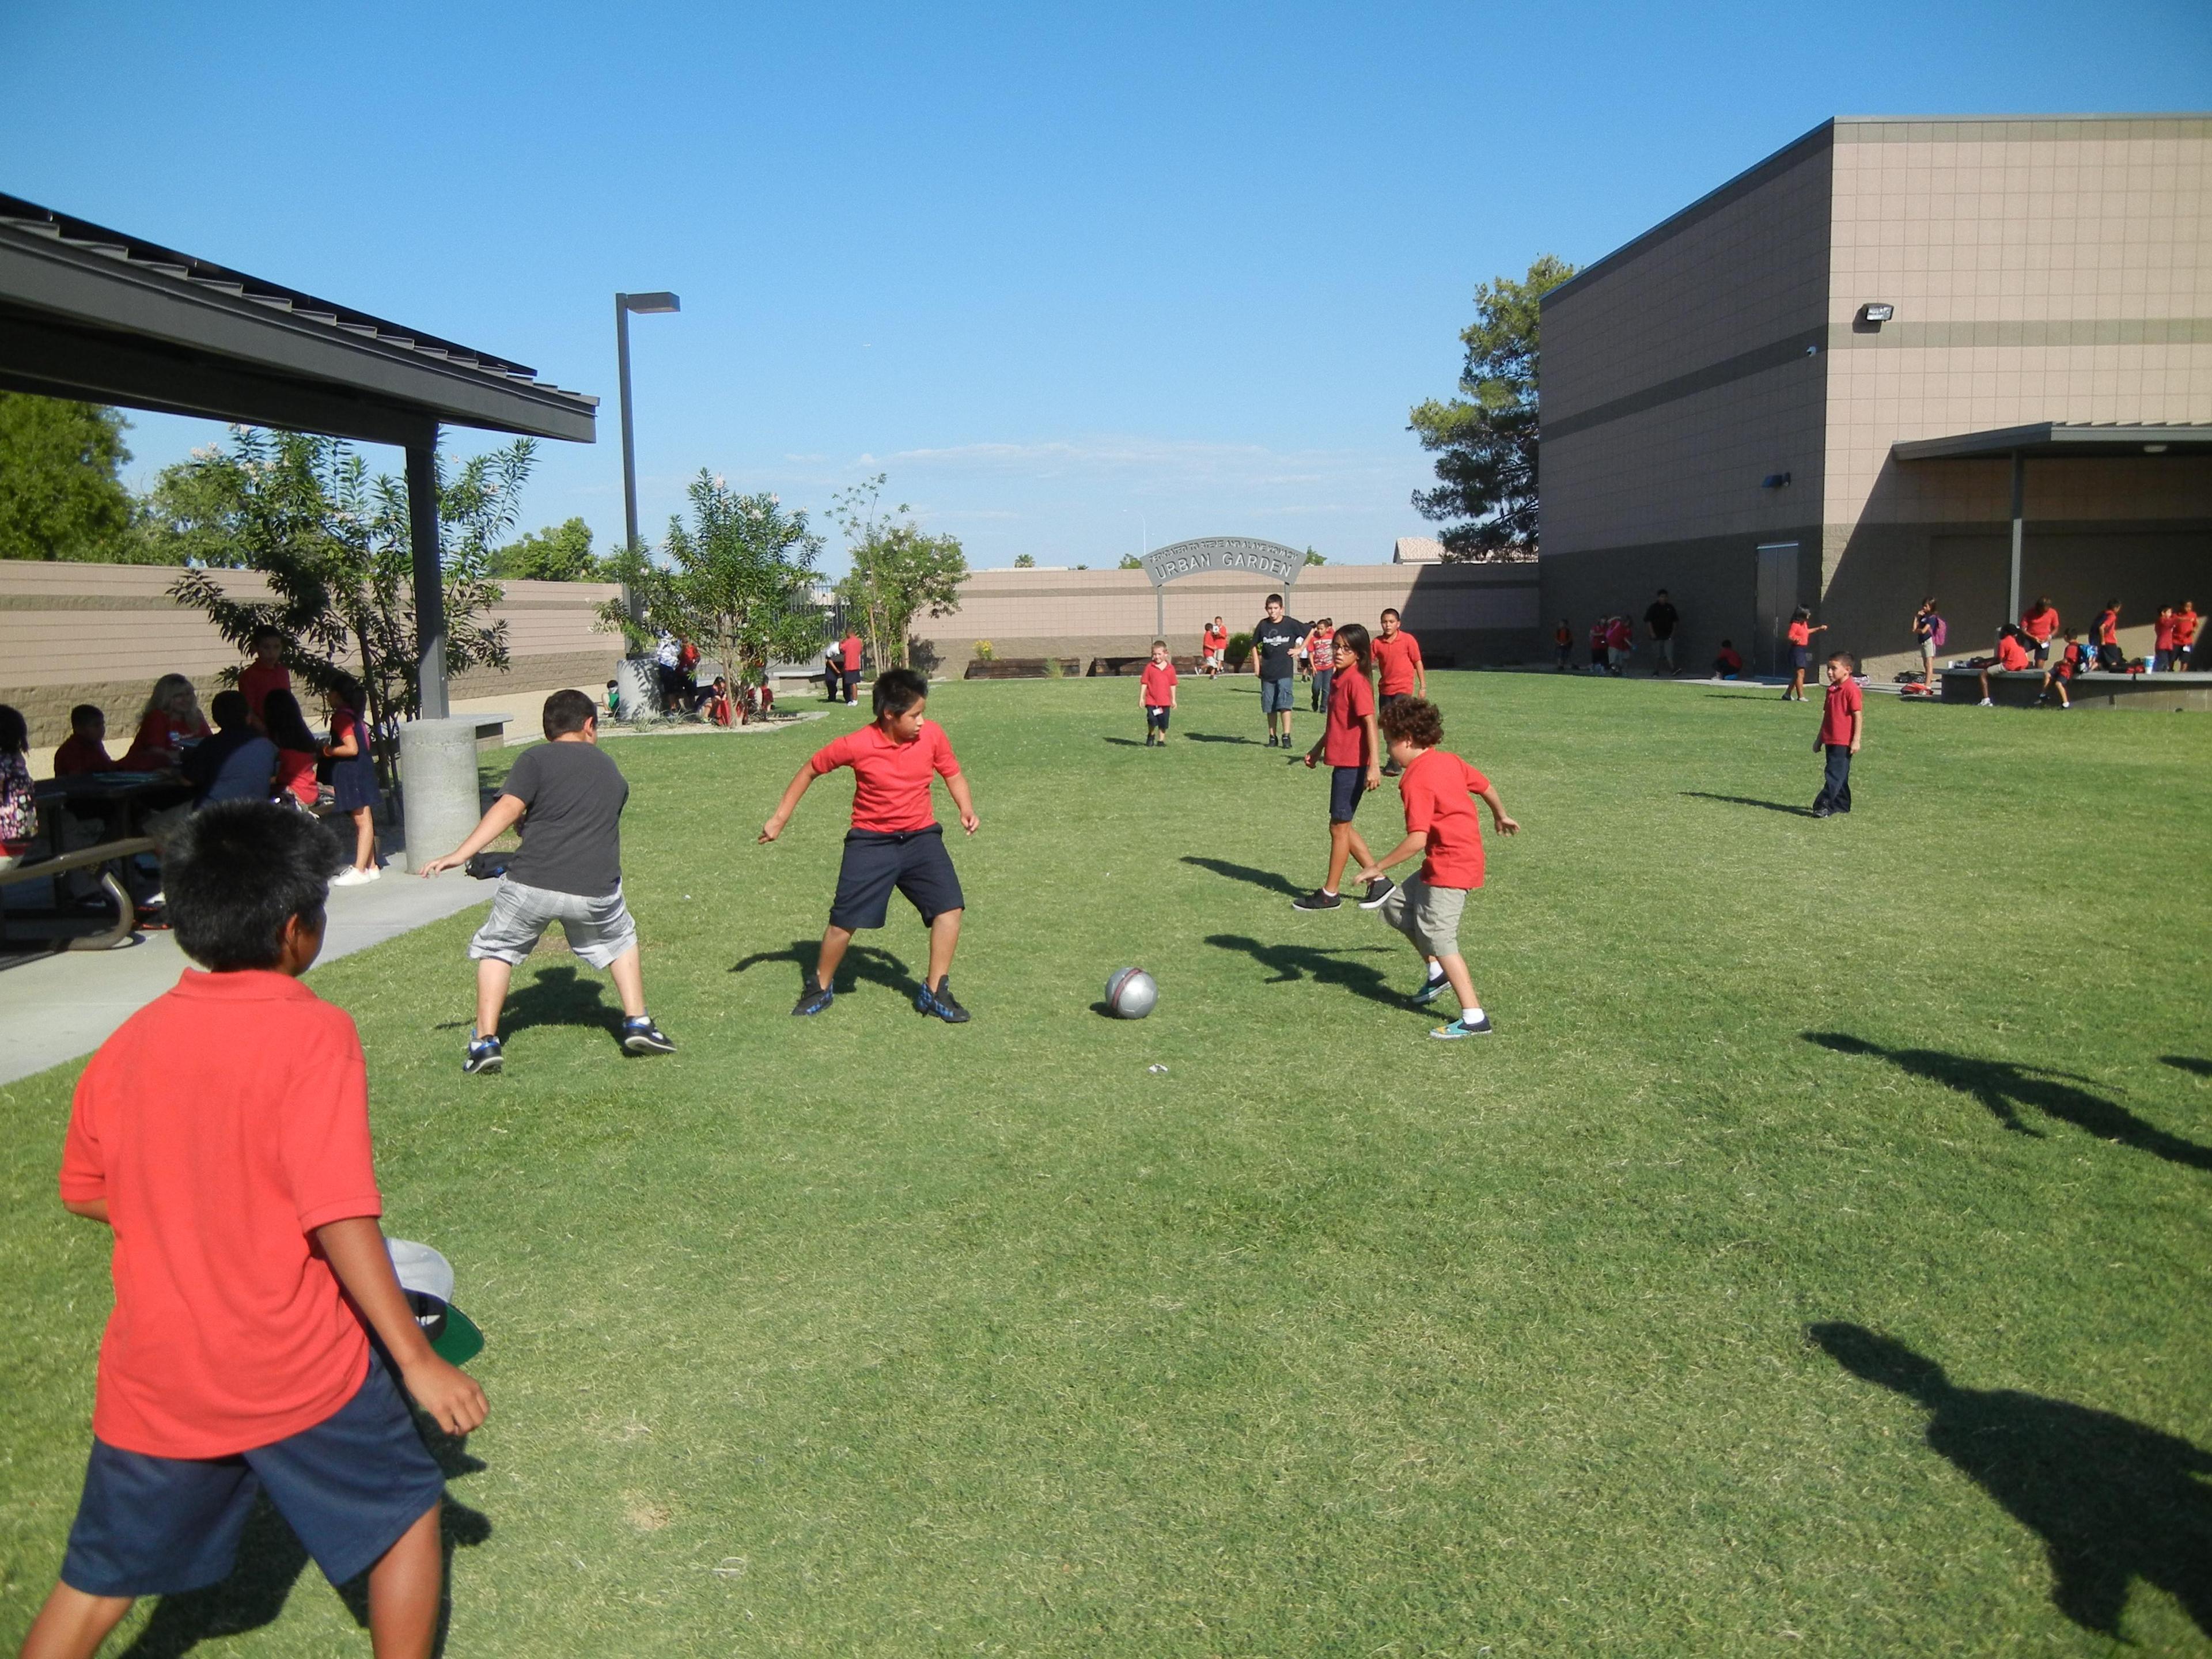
pixel 645 305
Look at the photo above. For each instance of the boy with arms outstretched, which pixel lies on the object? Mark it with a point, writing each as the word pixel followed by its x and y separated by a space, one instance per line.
pixel 223 1134
pixel 895 841
pixel 1438 789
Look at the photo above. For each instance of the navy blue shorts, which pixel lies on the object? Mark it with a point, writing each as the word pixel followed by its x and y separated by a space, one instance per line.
pixel 353 781
pixel 1346 784
pixel 350 1486
pixel 912 861
pixel 1157 719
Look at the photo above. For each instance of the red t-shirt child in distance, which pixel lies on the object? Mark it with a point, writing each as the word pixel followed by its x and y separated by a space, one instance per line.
pixel 1159 685
pixel 1396 656
pixel 2010 655
pixel 2039 625
pixel 1801 633
pixel 1438 789
pixel 1845 700
pixel 257 680
pixel 1212 639
pixel 850 645
pixel 1351 701
pixel 74 755
pixel 890 780
pixel 224 1123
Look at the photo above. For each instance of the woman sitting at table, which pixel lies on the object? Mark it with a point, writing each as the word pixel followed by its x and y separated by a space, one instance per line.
pixel 19 803
pixel 295 749
pixel 171 719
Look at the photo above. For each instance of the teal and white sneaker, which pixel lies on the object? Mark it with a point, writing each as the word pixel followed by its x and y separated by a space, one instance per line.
pixel 484 1055
pixel 1464 1027
pixel 1429 991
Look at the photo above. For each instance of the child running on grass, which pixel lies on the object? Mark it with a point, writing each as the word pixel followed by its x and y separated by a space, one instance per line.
pixel 1352 745
pixel 1437 788
pixel 222 1135
pixel 1157 694
pixel 895 841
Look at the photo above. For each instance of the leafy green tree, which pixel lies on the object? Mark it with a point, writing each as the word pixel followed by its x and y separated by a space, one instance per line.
pixel 897 572
pixel 1313 557
pixel 1484 439
pixel 1025 561
pixel 1130 562
pixel 737 581
pixel 558 553
pixel 334 546
pixel 62 495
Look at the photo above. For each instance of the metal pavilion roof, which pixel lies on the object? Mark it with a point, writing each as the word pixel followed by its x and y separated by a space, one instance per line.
pixel 92 313
pixel 2089 440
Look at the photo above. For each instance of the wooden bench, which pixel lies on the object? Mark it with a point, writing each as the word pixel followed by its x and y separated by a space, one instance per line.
pixel 105 852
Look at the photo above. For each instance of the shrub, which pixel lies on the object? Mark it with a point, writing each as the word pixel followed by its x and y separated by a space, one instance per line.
pixel 1054 668
pixel 1239 651
pixel 985 651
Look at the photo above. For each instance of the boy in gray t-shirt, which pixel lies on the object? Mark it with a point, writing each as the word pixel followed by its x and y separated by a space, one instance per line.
pixel 568 798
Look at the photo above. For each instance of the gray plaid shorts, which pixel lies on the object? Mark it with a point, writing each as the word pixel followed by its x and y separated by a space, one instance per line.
pixel 599 929
pixel 1427 915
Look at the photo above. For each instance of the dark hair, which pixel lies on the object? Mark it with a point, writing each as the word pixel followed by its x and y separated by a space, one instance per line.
pixel 230 710
pixel 286 725
pixel 1801 614
pixel 1728 645
pixel 234 873
pixel 15 731
pixel 1415 720
pixel 345 691
pixel 85 713
pixel 1352 637
pixel 566 712
pixel 1844 658
pixel 266 631
pixel 1271 599
pixel 1391 611
pixel 1663 592
pixel 898 690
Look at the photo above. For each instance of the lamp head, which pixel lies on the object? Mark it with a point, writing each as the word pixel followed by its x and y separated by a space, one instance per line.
pixel 651 304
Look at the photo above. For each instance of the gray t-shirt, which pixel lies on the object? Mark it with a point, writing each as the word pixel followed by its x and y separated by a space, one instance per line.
pixel 572 832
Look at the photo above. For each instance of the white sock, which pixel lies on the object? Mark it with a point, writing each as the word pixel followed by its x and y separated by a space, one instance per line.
pixel 1436 973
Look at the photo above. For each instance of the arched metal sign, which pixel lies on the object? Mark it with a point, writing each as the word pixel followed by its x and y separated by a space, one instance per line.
pixel 1208 554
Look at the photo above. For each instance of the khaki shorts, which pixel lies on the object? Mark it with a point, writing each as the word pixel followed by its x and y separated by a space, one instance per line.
pixel 599 930
pixel 1427 915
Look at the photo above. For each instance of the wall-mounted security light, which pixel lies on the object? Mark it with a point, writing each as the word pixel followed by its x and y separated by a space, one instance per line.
pixel 1877 312
pixel 1775 481
pixel 2153 449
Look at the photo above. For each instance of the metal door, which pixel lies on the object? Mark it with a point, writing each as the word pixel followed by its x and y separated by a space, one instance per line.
pixel 1777 599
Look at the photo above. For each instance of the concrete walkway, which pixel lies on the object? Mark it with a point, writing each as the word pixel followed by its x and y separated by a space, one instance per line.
pixel 63 1006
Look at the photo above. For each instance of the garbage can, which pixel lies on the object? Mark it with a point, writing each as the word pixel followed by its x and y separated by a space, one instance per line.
pixel 637 681
pixel 438 784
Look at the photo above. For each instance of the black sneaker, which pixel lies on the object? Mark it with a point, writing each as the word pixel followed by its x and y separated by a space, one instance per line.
pixel 484 1055
pixel 641 1036
pixel 941 1002
pixel 814 1000
pixel 1317 900
pixel 1378 889
pixel 1429 991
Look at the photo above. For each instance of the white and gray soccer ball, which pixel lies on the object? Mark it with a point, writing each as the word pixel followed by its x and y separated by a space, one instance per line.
pixel 1130 993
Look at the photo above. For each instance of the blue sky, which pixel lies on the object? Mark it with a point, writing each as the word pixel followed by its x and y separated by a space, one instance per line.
pixel 1074 277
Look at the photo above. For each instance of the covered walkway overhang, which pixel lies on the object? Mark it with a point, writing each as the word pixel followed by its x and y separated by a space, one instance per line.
pixel 91 314
pixel 2055 440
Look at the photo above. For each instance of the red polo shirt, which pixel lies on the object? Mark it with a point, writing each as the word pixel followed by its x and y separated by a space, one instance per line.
pixel 2041 625
pixel 1396 656
pixel 1159 685
pixel 890 780
pixel 224 1123
pixel 850 645
pixel 2011 653
pixel 1439 789
pixel 1351 701
pixel 1844 702
pixel 257 682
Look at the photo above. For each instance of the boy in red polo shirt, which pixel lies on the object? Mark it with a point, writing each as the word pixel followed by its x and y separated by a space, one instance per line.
pixel 265 673
pixel 223 1134
pixel 2011 658
pixel 2184 635
pixel 1438 789
pixel 1157 694
pixel 895 841
pixel 1842 725
pixel 1213 642
pixel 1400 670
pixel 848 655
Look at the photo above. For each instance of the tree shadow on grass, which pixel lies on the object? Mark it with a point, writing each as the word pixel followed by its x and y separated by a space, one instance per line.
pixel 1266 880
pixel 271 1560
pixel 2112 1500
pixel 2003 1087
pixel 2188 1063
pixel 1292 963
pixel 1746 800
pixel 861 962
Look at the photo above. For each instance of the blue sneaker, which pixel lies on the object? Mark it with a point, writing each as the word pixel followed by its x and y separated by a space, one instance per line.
pixel 484 1055
pixel 1429 991
pixel 1463 1027
pixel 641 1036
pixel 941 1002
pixel 814 1000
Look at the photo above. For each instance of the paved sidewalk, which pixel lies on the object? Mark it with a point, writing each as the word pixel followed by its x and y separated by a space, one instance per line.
pixel 64 1007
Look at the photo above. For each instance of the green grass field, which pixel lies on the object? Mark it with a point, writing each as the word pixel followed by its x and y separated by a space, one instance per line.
pixel 1614 1332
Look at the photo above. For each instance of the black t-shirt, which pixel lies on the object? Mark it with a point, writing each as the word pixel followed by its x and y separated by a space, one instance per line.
pixel 1274 640
pixel 572 832
pixel 1663 616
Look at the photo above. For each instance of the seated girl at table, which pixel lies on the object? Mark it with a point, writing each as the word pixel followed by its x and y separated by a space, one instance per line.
pixel 353 777
pixel 171 719
pixel 19 803
pixel 295 749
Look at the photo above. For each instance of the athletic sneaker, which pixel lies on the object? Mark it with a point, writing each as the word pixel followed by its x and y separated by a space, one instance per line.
pixel 354 876
pixel 814 1000
pixel 484 1055
pixel 941 1002
pixel 1429 991
pixel 1317 900
pixel 1985 703
pixel 641 1036
pixel 1378 889
pixel 1463 1027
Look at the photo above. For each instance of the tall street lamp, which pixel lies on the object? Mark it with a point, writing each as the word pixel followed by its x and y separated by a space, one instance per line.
pixel 646 305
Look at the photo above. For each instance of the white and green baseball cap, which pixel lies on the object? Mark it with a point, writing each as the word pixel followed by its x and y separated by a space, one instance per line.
pixel 428 1279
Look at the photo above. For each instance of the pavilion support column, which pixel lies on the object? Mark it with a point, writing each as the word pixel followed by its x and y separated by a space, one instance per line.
pixel 2019 526
pixel 429 578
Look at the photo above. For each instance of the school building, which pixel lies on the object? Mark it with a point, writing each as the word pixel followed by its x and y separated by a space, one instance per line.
pixel 1968 358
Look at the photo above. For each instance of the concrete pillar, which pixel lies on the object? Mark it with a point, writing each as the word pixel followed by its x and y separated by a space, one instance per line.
pixel 429 578
pixel 438 785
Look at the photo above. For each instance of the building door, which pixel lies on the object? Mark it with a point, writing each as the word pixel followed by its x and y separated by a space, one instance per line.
pixel 1776 592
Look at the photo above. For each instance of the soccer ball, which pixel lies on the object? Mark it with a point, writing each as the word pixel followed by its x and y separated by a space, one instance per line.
pixel 1130 993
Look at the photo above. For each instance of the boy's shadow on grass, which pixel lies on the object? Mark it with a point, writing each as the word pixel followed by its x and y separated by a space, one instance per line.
pixel 1266 879
pixel 861 962
pixel 559 996
pixel 2112 1500
pixel 271 1558
pixel 1746 800
pixel 1292 963
pixel 2187 1063
pixel 2004 1087
pixel 1128 742
pixel 1216 737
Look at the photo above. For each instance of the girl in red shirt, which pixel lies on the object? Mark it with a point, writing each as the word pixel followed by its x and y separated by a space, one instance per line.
pixel 1801 653
pixel 353 778
pixel 170 721
pixel 295 749
pixel 1352 745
